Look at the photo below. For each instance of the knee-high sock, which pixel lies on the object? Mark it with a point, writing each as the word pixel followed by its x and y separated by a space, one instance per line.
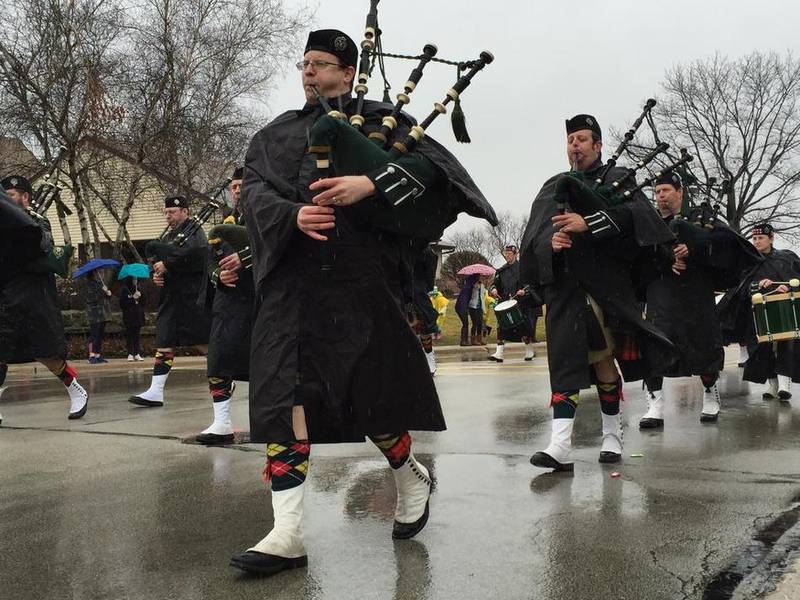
pixel 610 396
pixel 163 362
pixel 564 404
pixel 66 374
pixel 709 379
pixel 287 464
pixel 221 388
pixel 395 447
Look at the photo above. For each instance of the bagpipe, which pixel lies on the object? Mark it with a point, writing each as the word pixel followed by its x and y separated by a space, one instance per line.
pixel 224 240
pixel 59 259
pixel 342 147
pixel 589 197
pixel 168 243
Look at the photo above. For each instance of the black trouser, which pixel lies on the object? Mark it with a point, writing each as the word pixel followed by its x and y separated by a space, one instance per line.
pixel 96 332
pixel 476 316
pixel 132 340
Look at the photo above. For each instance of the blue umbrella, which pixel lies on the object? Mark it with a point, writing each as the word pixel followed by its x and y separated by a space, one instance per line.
pixel 95 263
pixel 136 270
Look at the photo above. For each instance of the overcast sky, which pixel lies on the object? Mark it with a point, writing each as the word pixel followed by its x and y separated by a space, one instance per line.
pixel 552 60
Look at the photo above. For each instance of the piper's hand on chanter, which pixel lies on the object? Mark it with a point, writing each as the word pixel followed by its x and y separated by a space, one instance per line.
pixel 311 219
pixel 159 268
pixel 228 277
pixel 678 266
pixel 560 241
pixel 342 191
pixel 570 223
pixel 681 251
pixel 158 279
pixel 232 263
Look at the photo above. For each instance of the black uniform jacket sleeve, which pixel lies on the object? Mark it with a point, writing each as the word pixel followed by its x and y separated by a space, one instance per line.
pixel 635 221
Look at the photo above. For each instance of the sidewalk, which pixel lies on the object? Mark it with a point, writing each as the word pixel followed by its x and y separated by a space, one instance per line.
pixel 443 353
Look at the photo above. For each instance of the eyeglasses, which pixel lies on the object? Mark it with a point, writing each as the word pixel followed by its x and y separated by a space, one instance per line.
pixel 318 65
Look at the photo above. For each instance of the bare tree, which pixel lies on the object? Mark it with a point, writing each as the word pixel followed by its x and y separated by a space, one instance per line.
pixel 172 85
pixel 740 119
pixel 55 59
pixel 490 241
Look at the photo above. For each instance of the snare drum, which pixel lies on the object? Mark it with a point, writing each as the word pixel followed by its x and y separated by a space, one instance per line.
pixel 776 316
pixel 509 314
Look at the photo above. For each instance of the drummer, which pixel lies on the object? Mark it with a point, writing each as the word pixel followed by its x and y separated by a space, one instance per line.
pixel 776 363
pixel 507 286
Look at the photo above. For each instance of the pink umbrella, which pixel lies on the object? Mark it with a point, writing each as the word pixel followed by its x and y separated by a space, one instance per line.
pixel 477 269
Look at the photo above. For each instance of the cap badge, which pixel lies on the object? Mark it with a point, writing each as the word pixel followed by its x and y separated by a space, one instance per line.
pixel 340 43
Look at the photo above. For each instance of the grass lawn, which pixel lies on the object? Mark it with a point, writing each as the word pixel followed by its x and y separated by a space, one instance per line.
pixel 451 334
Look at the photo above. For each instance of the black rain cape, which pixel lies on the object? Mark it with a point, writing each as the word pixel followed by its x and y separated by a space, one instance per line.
pixel 330 332
pixel 607 270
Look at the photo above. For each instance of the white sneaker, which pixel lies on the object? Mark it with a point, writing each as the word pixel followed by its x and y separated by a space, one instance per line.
pixel 79 400
pixel 711 405
pixel 138 357
pixel 530 353
pixel 413 483
pixel 784 387
pixel 654 417
pixel 222 424
pixel 498 353
pixel 154 396
pixel 130 358
pixel 286 538
pixel 772 389
pixel 556 455
pixel 611 449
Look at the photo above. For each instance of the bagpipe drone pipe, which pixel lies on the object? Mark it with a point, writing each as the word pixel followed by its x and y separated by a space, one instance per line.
pixel 348 147
pixel 58 259
pixel 168 246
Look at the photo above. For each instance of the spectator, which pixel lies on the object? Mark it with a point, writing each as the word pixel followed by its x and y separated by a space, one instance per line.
pixel 131 303
pixel 98 311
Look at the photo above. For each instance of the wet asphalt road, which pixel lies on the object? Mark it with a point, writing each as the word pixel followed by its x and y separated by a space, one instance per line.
pixel 114 506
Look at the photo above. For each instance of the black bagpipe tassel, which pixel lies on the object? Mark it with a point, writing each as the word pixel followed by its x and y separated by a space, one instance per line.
pixel 386 97
pixel 458 120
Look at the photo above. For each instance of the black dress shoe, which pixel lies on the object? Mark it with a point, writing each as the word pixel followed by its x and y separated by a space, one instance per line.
pixel 651 423
pixel 545 461
pixel 404 531
pixel 707 418
pixel 266 564
pixel 495 359
pixel 80 413
pixel 607 457
pixel 767 396
pixel 214 439
pixel 784 395
pixel 139 401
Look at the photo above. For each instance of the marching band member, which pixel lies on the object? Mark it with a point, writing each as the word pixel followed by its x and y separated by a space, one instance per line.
pixel 333 358
pixel 681 302
pixel 507 286
pixel 30 320
pixel 587 331
pixel 180 321
pixel 777 363
pixel 229 342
